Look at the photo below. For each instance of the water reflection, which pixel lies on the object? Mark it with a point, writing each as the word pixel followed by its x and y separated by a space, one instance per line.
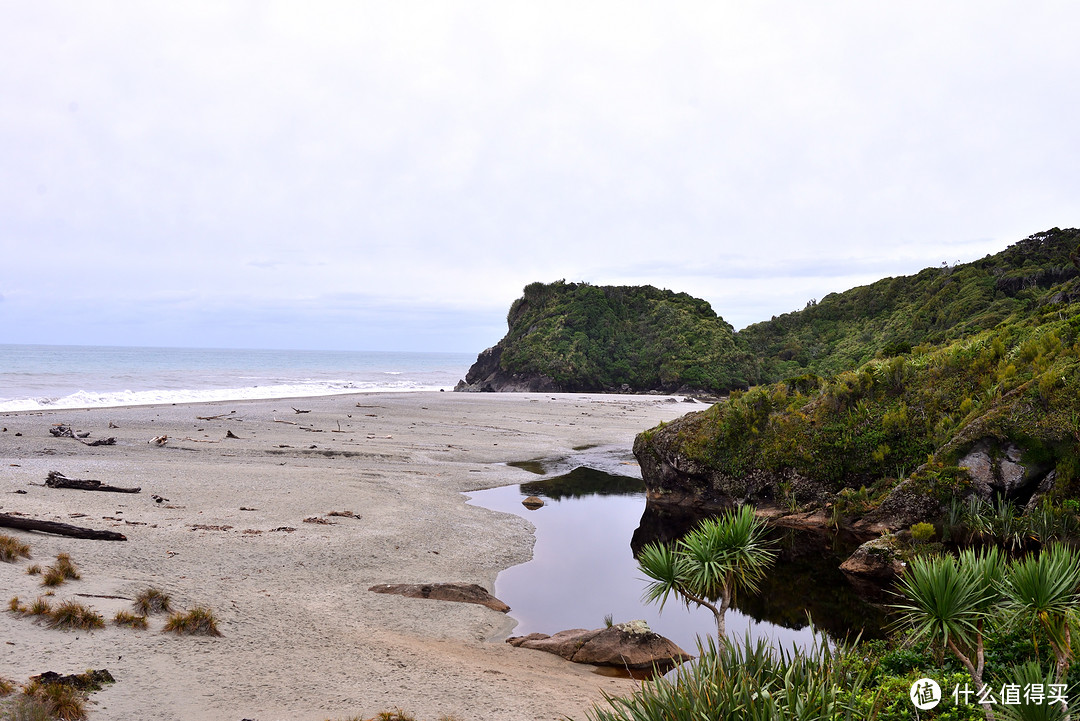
pixel 583 567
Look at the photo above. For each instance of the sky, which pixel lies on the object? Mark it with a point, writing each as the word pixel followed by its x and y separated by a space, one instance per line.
pixel 389 176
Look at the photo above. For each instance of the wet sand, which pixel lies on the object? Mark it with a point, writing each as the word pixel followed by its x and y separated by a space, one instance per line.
pixel 303 638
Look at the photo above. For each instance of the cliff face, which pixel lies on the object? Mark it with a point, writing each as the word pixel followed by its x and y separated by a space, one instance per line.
pixel 580 337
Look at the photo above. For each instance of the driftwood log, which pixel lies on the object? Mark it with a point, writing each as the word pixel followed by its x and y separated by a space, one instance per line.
pixel 61 431
pixel 55 479
pixel 60 529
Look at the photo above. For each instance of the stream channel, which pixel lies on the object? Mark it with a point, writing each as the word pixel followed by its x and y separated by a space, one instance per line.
pixel 583 568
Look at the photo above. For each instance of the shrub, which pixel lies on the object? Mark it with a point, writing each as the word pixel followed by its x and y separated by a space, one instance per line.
pixel 196 622
pixel 12 549
pixel 74 615
pixel 922 532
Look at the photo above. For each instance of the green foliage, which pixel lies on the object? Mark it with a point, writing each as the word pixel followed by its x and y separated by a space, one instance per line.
pixel 588 337
pixel 748 680
pixel 922 532
pixel 710 563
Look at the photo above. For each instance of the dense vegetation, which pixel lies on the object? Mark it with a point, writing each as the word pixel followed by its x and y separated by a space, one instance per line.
pixel 601 337
pixel 587 337
pixel 882 420
pixel 935 306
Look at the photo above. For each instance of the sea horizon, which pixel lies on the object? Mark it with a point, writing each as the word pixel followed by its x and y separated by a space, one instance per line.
pixel 37 376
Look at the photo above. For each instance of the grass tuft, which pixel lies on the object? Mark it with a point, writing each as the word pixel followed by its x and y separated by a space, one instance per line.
pixel 12 549
pixel 74 615
pixel 33 570
pixel 40 607
pixel 62 570
pixel 6 687
pixel 57 700
pixel 126 618
pixel 14 606
pixel 152 600
pixel 198 621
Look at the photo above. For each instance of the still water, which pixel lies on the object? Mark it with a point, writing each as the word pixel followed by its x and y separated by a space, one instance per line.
pixel 583 565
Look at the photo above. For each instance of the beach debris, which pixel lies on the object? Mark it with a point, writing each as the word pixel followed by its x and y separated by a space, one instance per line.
pixel 8 520
pixel 298 410
pixel 59 430
pixel 533 503
pixel 344 514
pixel 460 592
pixel 291 423
pixel 283 529
pixel 230 434
pixel 631 645
pixel 55 479
pixel 245 508
pixel 204 527
pixel 320 521
pixel 214 418
pixel 158 499
pixel 159 440
pixel 113 425
pixel 91 680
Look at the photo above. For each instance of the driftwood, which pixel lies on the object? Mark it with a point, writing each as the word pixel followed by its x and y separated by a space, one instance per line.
pixel 61 431
pixel 55 479
pixel 212 418
pixel 60 529
pixel 301 411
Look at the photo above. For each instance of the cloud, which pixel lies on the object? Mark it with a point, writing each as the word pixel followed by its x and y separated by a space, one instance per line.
pixel 432 155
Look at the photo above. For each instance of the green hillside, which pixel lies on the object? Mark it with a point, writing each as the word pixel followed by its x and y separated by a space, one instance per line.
pixel 893 315
pixel 915 377
pixel 583 337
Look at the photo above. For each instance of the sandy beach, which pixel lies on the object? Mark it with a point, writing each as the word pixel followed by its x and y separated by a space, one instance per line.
pixel 303 638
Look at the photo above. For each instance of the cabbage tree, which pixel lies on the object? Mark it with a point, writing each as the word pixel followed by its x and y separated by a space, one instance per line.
pixel 710 564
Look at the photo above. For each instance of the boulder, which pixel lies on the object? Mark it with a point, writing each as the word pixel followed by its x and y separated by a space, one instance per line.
pixel 877 559
pixel 996 470
pixel 631 645
pixel 533 502
pixel 461 592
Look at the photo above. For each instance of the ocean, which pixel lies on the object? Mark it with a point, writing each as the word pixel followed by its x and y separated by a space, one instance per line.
pixel 34 377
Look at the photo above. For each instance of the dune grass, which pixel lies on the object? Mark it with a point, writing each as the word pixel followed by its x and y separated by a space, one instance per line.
pixel 152 600
pixel 74 615
pixel 12 549
pixel 197 621
pixel 126 618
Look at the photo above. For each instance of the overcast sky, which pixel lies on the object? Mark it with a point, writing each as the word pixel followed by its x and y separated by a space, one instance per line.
pixel 390 175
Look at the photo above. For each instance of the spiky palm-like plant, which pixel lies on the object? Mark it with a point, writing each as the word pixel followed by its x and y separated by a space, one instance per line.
pixel 710 564
pixel 1044 590
pixel 948 600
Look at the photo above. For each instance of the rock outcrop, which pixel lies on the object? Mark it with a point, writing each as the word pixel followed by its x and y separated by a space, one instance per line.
pixel 878 559
pixel 1000 471
pixel 461 592
pixel 631 645
pixel 487 376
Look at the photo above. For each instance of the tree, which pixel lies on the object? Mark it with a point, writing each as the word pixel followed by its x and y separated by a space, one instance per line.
pixel 710 564
pixel 1042 590
pixel 948 600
